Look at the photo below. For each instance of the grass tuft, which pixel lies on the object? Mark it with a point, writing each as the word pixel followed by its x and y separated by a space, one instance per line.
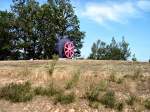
pixel 93 90
pixel 147 103
pixel 131 99
pixel 52 65
pixel 94 104
pixel 51 90
pixel 112 76
pixel 65 98
pixel 17 92
pixel 119 106
pixel 108 99
pixel 71 83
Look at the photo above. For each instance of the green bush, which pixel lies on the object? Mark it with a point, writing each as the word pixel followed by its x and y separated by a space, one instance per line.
pixel 108 99
pixel 65 98
pixel 17 92
pixel 147 103
pixel 131 99
pixel 71 83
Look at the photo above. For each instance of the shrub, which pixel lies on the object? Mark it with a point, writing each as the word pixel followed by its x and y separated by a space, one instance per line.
pixel 51 90
pixel 134 58
pixel 71 83
pixel 41 91
pixel 92 92
pixel 108 99
pixel 65 98
pixel 119 106
pixel 147 103
pixel 131 99
pixel 17 92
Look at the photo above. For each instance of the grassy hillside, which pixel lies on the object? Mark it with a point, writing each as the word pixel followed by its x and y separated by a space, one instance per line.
pixel 74 86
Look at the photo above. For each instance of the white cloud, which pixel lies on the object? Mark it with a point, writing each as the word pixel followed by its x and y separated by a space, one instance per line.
pixel 116 12
pixel 144 5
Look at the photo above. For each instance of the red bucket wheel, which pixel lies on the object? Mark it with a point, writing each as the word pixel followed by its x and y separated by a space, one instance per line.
pixel 69 49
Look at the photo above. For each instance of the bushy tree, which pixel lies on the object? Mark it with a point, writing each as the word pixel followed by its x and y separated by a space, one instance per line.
pixel 6 35
pixel 35 28
pixel 113 51
pixel 134 58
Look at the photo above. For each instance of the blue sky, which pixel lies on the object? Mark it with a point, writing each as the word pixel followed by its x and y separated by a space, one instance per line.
pixel 103 19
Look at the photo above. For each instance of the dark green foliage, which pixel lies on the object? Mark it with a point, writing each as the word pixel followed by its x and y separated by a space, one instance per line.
pixel 112 51
pixel 31 29
pixel 6 35
pixel 17 92
pixel 134 58
pixel 147 103
pixel 65 98
pixel 108 99
pixel 131 99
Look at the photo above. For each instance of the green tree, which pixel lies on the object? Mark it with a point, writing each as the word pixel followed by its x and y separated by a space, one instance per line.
pixel 134 58
pixel 113 51
pixel 6 35
pixel 37 27
pixel 125 50
pixel 26 35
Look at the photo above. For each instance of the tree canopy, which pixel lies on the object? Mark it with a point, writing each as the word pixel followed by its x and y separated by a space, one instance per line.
pixel 30 29
pixel 113 51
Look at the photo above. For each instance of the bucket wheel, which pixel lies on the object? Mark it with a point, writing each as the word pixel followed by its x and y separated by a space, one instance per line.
pixel 69 50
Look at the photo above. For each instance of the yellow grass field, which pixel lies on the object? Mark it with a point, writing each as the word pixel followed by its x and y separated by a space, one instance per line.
pixel 123 77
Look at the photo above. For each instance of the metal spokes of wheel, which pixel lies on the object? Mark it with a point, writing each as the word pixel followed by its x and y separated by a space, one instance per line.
pixel 69 49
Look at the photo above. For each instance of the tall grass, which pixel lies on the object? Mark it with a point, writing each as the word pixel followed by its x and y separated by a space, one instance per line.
pixel 51 90
pixel 147 103
pixel 109 99
pixel 73 81
pixel 65 98
pixel 51 66
pixel 17 92
pixel 93 91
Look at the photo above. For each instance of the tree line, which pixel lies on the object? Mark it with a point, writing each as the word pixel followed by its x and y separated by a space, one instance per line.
pixel 30 29
pixel 113 51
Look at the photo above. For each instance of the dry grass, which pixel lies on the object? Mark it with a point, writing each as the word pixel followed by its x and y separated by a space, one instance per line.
pixel 124 78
